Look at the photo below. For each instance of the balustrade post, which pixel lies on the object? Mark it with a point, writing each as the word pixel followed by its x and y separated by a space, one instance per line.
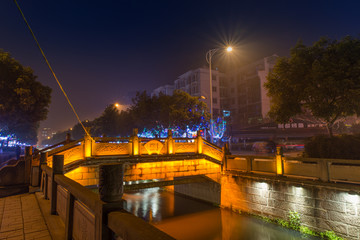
pixel 135 146
pixel 324 170
pixel 111 191
pixel 170 143
pixel 42 181
pixel 279 161
pixel 68 137
pixel 58 168
pixel 199 143
pixel 248 164
pixel 28 158
pixel 88 142
pixel 69 219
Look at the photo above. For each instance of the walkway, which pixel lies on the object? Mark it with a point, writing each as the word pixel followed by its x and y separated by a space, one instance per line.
pixel 21 218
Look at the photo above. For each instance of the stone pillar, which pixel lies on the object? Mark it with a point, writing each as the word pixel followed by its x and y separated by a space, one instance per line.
pixel 199 143
pixel 68 137
pixel 28 160
pixel 43 161
pixel 135 146
pixel 87 144
pixel 58 168
pixel 279 161
pixel 170 143
pixel 111 182
pixel 324 170
pixel 28 151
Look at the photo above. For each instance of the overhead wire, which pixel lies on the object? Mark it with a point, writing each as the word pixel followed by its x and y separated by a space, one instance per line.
pixel 52 71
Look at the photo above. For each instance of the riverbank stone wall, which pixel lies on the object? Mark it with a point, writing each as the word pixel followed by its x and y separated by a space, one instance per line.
pixel 321 206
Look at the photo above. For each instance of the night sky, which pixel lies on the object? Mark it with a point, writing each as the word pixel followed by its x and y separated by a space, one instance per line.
pixel 105 51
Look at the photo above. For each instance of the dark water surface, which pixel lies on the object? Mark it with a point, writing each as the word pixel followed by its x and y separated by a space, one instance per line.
pixel 189 219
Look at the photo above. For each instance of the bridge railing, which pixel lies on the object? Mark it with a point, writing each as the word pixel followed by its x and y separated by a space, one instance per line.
pixel 326 170
pixel 89 147
pixel 85 214
pixel 212 150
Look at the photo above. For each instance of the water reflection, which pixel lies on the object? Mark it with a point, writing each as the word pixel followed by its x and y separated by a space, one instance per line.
pixel 188 219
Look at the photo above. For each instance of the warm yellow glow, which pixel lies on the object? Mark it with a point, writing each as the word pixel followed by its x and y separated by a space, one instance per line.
pixel 171 147
pixel 117 105
pixel 48 137
pixel 135 148
pixel 199 145
pixel 279 168
pixel 87 147
pixel 153 146
pixel 229 49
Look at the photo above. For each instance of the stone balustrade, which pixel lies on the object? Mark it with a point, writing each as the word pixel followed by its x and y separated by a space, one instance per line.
pixel 88 215
pixel 326 170
pixel 88 148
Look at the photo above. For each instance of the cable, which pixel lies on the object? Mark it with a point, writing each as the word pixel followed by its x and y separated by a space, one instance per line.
pixel 47 62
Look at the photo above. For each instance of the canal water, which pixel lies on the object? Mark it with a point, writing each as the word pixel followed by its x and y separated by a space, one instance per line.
pixel 189 219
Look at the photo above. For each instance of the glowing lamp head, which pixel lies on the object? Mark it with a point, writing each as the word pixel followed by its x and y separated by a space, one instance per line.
pixel 117 105
pixel 229 49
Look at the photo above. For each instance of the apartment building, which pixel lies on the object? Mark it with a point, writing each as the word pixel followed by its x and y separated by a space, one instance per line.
pixel 247 97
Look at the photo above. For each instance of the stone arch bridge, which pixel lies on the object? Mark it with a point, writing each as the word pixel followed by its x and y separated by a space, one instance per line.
pixel 161 159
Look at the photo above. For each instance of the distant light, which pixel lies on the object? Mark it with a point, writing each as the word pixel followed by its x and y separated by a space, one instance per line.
pixel 117 105
pixel 229 49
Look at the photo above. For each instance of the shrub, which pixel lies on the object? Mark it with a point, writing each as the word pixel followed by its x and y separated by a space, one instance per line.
pixel 340 147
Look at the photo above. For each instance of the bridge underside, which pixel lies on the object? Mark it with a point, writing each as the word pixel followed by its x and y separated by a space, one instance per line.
pixel 162 168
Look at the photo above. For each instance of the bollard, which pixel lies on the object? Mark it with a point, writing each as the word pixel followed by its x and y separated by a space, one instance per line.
pixel 58 168
pixel 111 182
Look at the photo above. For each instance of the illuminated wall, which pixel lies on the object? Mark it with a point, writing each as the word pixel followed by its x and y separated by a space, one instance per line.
pixel 88 176
pixel 321 207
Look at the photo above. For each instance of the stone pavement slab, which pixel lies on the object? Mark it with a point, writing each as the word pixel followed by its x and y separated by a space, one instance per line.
pixel 21 218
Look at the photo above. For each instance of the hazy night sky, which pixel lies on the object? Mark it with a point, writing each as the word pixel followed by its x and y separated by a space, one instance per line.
pixel 105 51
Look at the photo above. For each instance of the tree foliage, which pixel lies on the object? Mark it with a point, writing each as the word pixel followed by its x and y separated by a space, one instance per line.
pixel 323 79
pixel 24 101
pixel 155 113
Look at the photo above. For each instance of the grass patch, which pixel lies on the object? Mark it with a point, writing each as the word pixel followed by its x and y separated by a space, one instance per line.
pixel 294 222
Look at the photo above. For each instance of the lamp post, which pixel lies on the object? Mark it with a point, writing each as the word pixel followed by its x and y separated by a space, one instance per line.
pixel 209 56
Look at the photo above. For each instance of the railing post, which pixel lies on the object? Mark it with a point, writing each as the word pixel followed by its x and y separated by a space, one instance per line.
pixel 135 143
pixel 199 143
pixel 279 161
pixel 58 168
pixel 248 164
pixel 43 161
pixel 324 170
pixel 68 137
pixel 28 158
pixel 69 220
pixel 111 191
pixel 170 143
pixel 87 144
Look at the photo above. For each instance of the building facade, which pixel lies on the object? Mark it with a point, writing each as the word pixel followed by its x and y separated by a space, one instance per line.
pixel 196 83
pixel 166 90
pixel 247 96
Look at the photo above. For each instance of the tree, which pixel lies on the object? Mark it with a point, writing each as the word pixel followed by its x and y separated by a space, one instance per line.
pixel 175 112
pixel 24 102
pixel 323 79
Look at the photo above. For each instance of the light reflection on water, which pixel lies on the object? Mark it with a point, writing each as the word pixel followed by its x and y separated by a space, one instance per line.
pixel 188 219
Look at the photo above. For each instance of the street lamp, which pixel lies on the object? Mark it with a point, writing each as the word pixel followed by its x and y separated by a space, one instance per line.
pixel 209 56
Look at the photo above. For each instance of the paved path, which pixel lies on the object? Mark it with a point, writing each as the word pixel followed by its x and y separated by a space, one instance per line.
pixel 21 218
